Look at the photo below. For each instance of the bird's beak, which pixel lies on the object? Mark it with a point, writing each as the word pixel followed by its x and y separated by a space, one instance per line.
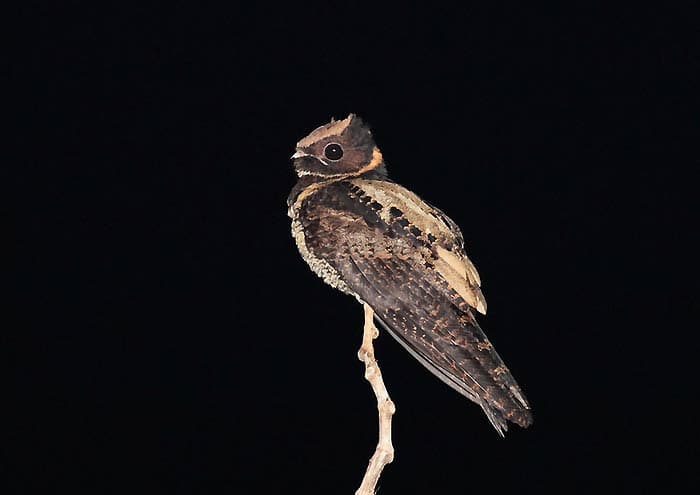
pixel 298 154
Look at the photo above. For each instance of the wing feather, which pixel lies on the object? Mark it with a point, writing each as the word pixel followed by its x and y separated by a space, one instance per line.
pixel 412 270
pixel 446 340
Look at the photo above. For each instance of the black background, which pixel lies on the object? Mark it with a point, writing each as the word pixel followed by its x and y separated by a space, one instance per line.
pixel 171 337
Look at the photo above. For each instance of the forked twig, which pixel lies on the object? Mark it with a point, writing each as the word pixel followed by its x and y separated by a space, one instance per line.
pixel 384 452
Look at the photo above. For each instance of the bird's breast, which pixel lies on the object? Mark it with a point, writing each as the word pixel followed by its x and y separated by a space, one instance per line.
pixel 319 265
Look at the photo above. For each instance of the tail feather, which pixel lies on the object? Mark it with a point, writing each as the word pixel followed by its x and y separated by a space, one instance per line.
pixel 420 312
pixel 467 372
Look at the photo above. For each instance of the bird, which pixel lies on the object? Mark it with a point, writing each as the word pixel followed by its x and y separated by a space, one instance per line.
pixel 373 239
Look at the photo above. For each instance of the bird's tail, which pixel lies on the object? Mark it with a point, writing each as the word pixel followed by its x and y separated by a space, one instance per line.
pixel 455 349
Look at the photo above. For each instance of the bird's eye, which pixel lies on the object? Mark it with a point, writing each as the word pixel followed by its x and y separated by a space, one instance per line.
pixel 333 152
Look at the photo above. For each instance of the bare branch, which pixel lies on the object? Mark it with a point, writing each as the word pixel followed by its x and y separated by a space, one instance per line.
pixel 384 452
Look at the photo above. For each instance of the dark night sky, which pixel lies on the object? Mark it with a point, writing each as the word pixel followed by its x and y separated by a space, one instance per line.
pixel 171 337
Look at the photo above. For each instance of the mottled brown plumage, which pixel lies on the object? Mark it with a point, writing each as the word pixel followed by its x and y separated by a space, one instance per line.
pixel 373 239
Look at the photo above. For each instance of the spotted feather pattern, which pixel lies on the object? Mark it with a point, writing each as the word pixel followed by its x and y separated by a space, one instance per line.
pixel 387 247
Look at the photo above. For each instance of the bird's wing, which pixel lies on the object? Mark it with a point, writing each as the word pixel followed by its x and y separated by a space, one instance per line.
pixel 409 215
pixel 409 267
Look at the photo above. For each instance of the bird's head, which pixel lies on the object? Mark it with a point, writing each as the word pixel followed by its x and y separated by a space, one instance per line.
pixel 341 148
